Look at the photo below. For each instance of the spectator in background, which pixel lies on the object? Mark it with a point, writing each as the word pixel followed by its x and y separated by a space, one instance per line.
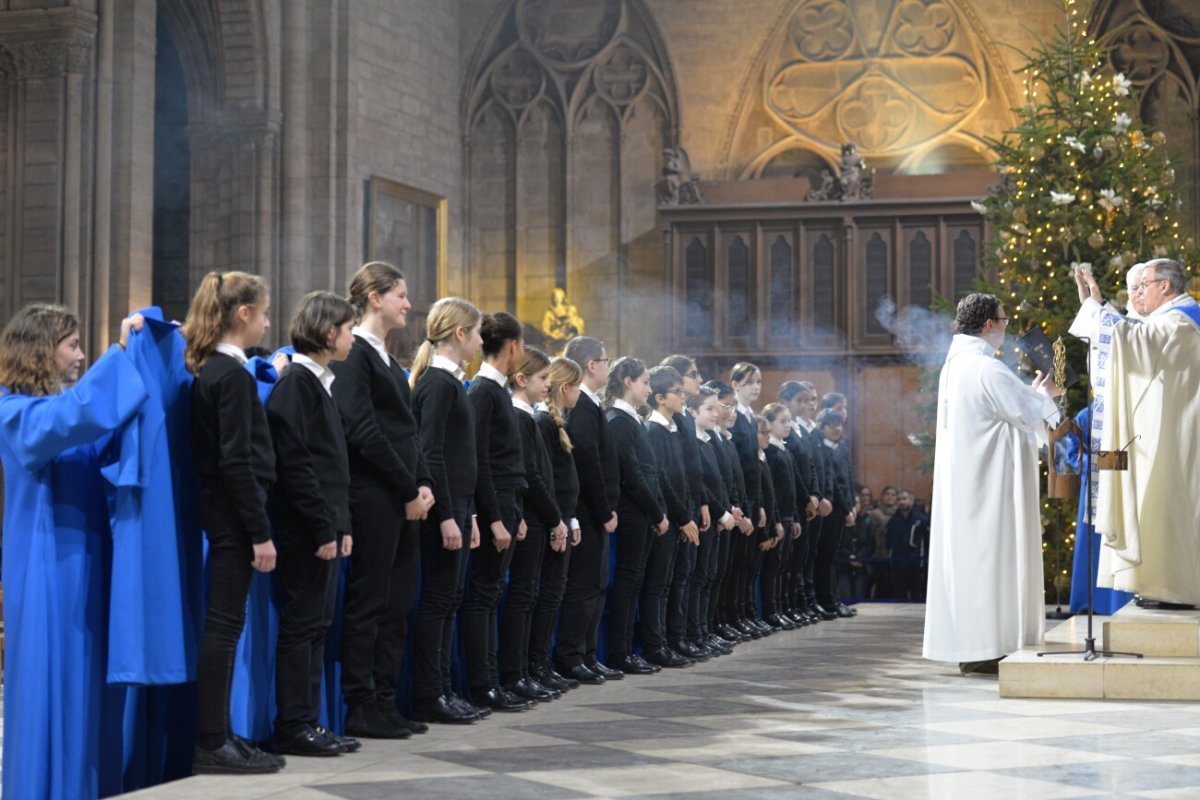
pixel 908 544
pixel 858 546
pixel 878 571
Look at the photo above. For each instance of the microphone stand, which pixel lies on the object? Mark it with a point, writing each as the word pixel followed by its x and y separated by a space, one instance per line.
pixel 1089 651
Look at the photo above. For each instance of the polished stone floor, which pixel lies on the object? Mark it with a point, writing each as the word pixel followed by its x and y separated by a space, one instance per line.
pixel 843 709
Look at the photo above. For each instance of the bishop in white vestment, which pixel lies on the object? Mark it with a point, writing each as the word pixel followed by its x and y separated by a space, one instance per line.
pixel 1148 376
pixel 985 595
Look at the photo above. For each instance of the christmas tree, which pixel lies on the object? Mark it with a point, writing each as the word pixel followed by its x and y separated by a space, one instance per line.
pixel 1083 184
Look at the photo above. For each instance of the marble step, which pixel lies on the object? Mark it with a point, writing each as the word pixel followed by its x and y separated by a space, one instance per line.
pixel 1170 634
pixel 1026 674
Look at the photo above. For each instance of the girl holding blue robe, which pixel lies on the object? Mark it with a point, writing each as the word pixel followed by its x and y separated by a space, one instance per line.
pixel 53 442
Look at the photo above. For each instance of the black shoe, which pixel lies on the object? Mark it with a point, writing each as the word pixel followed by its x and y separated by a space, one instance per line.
pixel 689 650
pixel 717 644
pixel 1160 605
pixel 500 700
pixel 554 693
pixel 305 742
pixel 236 757
pixel 443 709
pixel 823 612
pixel 528 689
pixel 583 674
pixel 609 673
pixel 368 722
pixel 844 611
pixel 667 658
pixel 748 630
pixel 632 665
pixel 644 664
pixel 551 679
pixel 988 667
pixel 733 633
pixel 766 629
pixel 483 712
pixel 349 743
pixel 798 617
pixel 392 714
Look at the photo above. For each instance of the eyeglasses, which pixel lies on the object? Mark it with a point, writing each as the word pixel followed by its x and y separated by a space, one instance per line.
pixel 602 360
pixel 728 406
pixel 677 391
pixel 1141 286
pixel 1002 319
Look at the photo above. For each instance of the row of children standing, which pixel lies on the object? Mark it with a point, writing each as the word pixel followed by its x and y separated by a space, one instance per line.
pixel 725 523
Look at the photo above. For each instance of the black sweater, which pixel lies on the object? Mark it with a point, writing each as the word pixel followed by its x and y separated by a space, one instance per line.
pixel 783 479
pixel 446 429
pixel 497 447
pixel 541 505
pixel 814 442
pixel 737 486
pixel 745 438
pixel 640 489
pixel 381 430
pixel 766 481
pixel 803 460
pixel 672 472
pixel 699 491
pixel 841 487
pixel 595 461
pixel 231 441
pixel 566 479
pixel 718 501
pixel 312 496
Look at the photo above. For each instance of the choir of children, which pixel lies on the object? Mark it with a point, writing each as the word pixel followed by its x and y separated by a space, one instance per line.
pixel 725 522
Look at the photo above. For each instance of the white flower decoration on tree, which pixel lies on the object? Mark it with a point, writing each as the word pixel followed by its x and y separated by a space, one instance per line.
pixel 1074 143
pixel 1122 123
pixel 1085 78
pixel 1121 85
pixel 1062 198
pixel 979 207
pixel 1110 200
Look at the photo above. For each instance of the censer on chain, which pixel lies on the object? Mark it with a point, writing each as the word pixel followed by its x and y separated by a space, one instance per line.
pixel 1061 485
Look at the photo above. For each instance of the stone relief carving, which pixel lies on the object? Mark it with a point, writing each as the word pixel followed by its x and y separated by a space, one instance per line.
pixel 517 79
pixel 622 76
pixel 679 186
pixel 568 32
pixel 44 57
pixel 853 181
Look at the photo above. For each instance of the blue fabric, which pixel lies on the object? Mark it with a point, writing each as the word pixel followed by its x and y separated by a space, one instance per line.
pixel 157 613
pixel 1105 601
pixel 1192 312
pixel 57 709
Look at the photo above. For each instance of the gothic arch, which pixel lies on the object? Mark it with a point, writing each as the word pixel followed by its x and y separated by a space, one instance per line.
pixel 584 218
pixel 896 77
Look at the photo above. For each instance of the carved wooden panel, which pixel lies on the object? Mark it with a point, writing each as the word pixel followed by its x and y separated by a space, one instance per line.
pixel 783 319
pixel 920 268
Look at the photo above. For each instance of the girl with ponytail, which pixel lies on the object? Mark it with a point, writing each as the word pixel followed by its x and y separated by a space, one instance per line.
pixel 564 379
pixel 446 431
pixel 234 457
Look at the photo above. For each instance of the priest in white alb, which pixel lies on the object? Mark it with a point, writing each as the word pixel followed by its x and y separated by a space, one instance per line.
pixel 1147 396
pixel 985 595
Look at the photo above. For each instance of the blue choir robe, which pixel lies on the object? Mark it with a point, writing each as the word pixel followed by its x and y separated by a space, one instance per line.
pixel 57 709
pixel 1105 601
pixel 157 613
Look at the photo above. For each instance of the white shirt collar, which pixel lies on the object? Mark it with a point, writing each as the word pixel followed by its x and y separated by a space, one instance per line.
pixel 595 397
pixel 486 370
pixel 831 445
pixel 522 405
pixel 232 350
pixel 658 418
pixel 778 443
pixel 745 410
pixel 808 426
pixel 324 374
pixel 454 368
pixel 376 343
pixel 627 408
pixel 762 455
pixel 703 435
pixel 726 435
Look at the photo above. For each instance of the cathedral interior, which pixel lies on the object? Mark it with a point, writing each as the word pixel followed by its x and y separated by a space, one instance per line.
pixel 665 163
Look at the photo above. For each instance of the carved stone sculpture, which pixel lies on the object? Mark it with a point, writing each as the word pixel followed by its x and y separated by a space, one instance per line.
pixel 679 186
pixel 854 181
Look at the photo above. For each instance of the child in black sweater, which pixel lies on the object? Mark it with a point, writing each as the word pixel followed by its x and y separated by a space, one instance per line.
pixel 783 477
pixel 310 509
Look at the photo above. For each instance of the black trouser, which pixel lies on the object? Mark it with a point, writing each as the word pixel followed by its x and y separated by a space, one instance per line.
pixel 306 589
pixel 681 579
pixel 773 565
pixel 716 594
pixel 230 555
pixel 634 538
pixel 825 562
pixel 523 575
pixel 551 586
pixel 381 590
pixel 812 539
pixel 656 590
pixel 734 585
pixel 754 561
pixel 793 575
pixel 443 574
pixel 583 599
pixel 702 581
pixel 489 567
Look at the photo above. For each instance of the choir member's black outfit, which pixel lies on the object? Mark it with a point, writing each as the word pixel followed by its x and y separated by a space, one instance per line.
pixel 686 553
pixel 446 430
pixel 541 516
pixel 587 576
pixel 310 507
pixel 386 470
pixel 498 493
pixel 553 579
pixel 234 457
pixel 731 475
pixel 667 446
pixel 704 575
pixel 804 461
pixel 841 488
pixel 639 510
pixel 775 561
pixel 814 443
pixel 745 554
pixel 761 579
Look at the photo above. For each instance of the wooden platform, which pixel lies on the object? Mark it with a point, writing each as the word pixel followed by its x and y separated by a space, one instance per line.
pixel 1169 642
